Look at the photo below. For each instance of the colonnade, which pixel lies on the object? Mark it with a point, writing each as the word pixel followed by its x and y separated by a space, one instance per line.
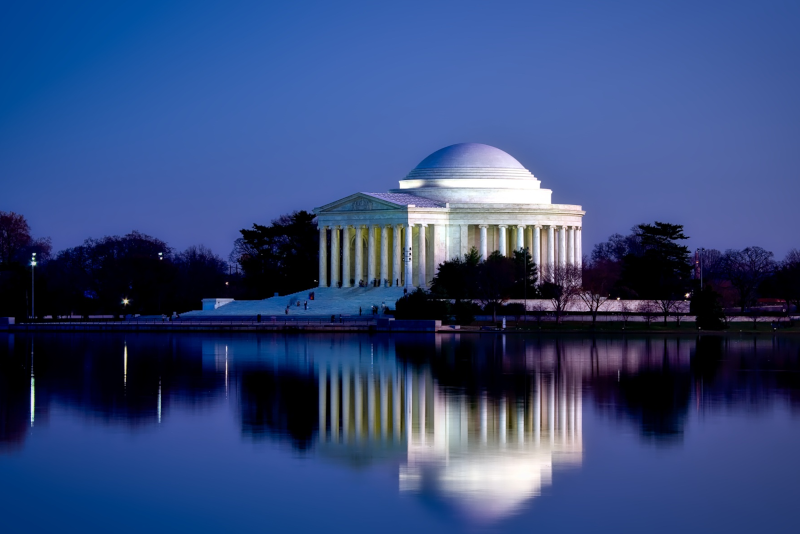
pixel 397 254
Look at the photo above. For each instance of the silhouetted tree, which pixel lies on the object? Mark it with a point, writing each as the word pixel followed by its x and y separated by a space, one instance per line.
pixel 281 257
pixel 660 267
pixel 747 269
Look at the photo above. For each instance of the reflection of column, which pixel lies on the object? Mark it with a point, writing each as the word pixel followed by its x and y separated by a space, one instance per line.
pixel 562 423
pixel 323 402
pixel 396 405
pixel 371 405
pixel 384 406
pixel 421 393
pixel 421 261
pixel 521 421
pixel 502 247
pixel 384 255
pixel 484 242
pixel 359 254
pixel 347 434
pixel 407 253
pixel 409 407
pixel 502 421
pixel 537 407
pixel 334 404
pixel 346 269
pixel 579 414
pixel 359 405
pixel 551 409
pixel 323 256
pixel 484 418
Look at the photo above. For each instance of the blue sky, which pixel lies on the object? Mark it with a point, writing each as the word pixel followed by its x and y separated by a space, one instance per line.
pixel 191 120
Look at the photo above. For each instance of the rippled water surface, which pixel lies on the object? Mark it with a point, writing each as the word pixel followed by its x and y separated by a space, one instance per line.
pixel 349 433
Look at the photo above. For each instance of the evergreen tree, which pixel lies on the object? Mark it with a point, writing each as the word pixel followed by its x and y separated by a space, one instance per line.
pixel 661 268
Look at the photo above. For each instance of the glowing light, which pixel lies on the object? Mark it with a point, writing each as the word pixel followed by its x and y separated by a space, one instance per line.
pixel 687 295
pixel 125 302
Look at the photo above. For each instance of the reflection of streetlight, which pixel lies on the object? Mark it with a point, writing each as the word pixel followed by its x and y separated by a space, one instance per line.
pixel 33 264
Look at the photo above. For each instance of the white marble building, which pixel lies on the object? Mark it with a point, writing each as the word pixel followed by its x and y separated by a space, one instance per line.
pixel 462 196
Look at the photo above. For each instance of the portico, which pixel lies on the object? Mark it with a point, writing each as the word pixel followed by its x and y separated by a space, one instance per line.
pixel 462 196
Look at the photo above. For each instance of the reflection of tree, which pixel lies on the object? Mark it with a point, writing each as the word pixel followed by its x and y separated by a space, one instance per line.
pixel 658 401
pixel 14 400
pixel 283 403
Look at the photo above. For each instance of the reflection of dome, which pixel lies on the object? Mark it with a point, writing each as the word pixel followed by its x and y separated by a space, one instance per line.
pixel 484 485
pixel 472 172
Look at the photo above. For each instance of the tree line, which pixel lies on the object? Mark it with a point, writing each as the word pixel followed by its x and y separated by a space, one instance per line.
pixel 137 273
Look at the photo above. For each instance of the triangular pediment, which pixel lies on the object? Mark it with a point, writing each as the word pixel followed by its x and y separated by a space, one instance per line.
pixel 358 202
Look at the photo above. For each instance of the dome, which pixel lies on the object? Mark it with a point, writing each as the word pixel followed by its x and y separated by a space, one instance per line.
pixel 470 155
pixel 473 173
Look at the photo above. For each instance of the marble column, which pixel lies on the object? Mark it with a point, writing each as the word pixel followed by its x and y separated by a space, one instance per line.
pixel 323 256
pixel 359 276
pixel 484 242
pixel 385 256
pixel 346 268
pixel 562 245
pixel 421 258
pixel 502 248
pixel 335 256
pixel 371 255
pixel 520 237
pixel 407 255
pixel 397 255
pixel 537 248
pixel 551 250
pixel 578 247
pixel 571 245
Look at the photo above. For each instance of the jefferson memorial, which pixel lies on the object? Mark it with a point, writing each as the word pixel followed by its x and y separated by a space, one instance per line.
pixel 462 196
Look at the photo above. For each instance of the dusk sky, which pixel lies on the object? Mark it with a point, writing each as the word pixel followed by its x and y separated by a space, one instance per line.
pixel 191 120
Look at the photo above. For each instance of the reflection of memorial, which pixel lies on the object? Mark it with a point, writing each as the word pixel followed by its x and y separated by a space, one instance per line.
pixel 487 455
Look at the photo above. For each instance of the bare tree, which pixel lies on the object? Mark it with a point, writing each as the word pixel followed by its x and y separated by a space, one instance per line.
pixel 667 306
pixel 625 311
pixel 594 301
pixel 597 281
pixel 647 309
pixel 563 288
pixel 538 311
pixel 746 269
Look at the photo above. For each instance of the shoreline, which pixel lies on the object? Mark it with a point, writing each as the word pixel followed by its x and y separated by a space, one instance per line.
pixel 373 326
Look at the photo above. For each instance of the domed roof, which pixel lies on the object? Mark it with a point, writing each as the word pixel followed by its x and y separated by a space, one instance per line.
pixel 469 155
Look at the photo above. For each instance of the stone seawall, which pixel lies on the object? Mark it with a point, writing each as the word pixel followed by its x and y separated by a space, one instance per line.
pixel 381 325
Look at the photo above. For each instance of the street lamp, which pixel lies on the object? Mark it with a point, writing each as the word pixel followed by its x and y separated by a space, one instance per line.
pixel 700 255
pixel 33 264
pixel 125 302
pixel 160 256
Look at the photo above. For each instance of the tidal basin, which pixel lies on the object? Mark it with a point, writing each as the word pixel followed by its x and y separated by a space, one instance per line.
pixel 398 433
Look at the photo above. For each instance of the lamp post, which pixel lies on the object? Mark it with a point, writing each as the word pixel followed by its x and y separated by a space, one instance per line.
pixel 33 308
pixel 700 254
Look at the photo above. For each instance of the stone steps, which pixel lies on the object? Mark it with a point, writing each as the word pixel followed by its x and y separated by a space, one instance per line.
pixel 328 301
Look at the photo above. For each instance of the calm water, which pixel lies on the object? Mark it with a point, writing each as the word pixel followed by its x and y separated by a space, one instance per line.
pixel 346 433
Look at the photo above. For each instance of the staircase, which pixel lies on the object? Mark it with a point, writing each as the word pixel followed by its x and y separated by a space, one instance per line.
pixel 327 301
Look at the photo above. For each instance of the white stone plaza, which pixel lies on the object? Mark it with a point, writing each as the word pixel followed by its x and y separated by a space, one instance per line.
pixel 462 196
